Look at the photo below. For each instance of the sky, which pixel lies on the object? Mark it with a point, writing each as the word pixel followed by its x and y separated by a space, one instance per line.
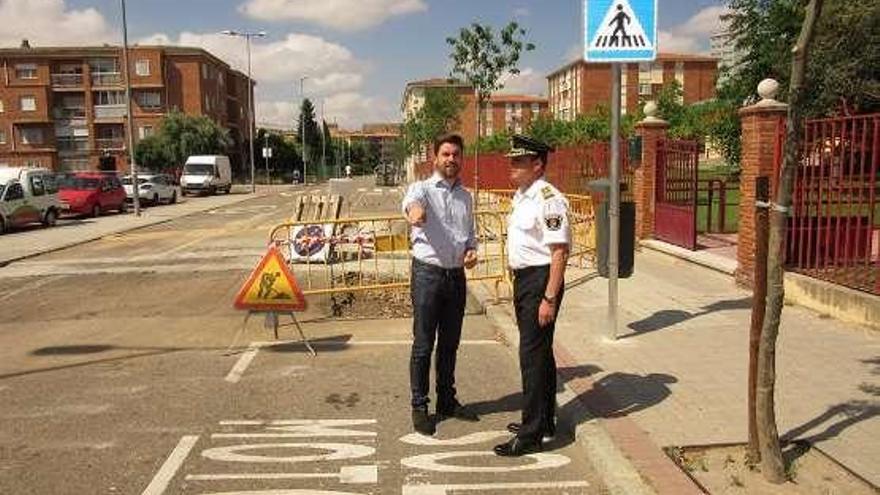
pixel 356 55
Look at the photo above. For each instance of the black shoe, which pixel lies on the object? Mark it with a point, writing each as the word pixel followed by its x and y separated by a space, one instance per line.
pixel 456 410
pixel 517 447
pixel 422 422
pixel 548 436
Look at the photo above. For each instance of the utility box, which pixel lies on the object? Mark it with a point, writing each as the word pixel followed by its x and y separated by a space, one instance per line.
pixel 626 249
pixel 634 151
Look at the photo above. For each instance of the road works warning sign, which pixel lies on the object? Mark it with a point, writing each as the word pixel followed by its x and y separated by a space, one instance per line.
pixel 620 30
pixel 271 287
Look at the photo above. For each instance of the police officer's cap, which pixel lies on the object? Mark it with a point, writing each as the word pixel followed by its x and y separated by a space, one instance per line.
pixel 525 146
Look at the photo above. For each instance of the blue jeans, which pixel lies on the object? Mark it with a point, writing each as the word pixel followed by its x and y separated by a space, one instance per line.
pixel 438 299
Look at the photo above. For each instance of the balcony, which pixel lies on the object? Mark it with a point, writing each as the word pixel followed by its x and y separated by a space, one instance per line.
pixel 111 112
pixel 116 143
pixel 106 78
pixel 71 144
pixel 69 113
pixel 62 81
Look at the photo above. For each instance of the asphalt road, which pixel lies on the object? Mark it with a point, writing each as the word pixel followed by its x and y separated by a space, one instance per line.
pixel 125 369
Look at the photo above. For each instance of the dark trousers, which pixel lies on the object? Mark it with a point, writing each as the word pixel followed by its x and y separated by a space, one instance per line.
pixel 536 361
pixel 438 299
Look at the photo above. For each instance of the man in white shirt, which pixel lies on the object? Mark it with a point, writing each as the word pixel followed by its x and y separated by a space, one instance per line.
pixel 440 211
pixel 538 239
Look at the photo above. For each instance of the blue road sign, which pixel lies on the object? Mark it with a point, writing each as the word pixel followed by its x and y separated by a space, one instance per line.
pixel 620 30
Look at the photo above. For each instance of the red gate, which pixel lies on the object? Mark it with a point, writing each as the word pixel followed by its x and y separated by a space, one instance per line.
pixel 675 193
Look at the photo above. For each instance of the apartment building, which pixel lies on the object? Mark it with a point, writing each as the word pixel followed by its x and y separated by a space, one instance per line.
pixel 512 113
pixel 65 108
pixel 385 135
pixel 579 88
pixel 722 46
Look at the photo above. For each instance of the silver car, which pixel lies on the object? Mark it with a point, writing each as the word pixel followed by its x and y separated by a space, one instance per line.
pixel 153 188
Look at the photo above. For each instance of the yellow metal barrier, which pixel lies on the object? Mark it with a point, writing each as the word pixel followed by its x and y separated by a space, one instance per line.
pixel 372 253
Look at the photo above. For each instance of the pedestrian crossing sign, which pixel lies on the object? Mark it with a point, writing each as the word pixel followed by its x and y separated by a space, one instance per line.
pixel 620 30
pixel 271 287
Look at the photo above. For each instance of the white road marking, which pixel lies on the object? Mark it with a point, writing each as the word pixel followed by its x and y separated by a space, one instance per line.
pixel 339 451
pixel 172 464
pixel 349 475
pixel 449 489
pixel 305 428
pixel 36 285
pixel 308 491
pixel 365 343
pixel 472 439
pixel 242 364
pixel 431 462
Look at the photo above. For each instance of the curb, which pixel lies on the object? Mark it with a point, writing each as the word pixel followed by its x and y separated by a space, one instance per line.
pixel 129 228
pixel 624 456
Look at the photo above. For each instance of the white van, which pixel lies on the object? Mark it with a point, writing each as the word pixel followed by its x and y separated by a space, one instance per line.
pixel 28 195
pixel 206 173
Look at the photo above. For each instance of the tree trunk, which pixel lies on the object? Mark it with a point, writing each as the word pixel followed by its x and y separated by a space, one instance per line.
pixel 478 100
pixel 759 307
pixel 768 437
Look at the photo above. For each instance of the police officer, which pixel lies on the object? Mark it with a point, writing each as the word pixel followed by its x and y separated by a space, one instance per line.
pixel 538 238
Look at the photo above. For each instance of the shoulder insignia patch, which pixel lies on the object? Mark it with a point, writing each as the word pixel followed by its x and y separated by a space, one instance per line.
pixel 547 191
pixel 553 222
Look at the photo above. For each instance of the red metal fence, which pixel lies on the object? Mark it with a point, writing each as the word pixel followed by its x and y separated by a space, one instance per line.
pixel 834 229
pixel 569 169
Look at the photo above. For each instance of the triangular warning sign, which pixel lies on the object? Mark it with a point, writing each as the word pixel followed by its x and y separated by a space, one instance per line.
pixel 621 30
pixel 271 287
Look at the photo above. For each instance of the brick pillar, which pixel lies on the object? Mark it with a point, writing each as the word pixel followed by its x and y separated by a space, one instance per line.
pixel 652 130
pixel 759 134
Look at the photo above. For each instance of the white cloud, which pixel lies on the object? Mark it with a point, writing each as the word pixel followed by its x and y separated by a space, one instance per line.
pixel 52 23
pixel 692 36
pixel 329 66
pixel 346 15
pixel 527 82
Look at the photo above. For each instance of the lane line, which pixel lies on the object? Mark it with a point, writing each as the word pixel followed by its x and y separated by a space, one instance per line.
pixel 364 343
pixel 242 364
pixel 172 464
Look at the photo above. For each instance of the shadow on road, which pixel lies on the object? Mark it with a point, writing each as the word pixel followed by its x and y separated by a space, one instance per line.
pixel 670 317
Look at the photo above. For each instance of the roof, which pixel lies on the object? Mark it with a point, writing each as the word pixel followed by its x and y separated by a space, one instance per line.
pixel 661 57
pixel 438 82
pixel 106 49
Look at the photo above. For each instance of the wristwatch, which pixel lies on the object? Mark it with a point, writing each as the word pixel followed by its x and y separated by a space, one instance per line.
pixel 551 300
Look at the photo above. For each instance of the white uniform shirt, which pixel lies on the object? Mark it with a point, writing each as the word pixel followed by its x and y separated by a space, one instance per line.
pixel 539 219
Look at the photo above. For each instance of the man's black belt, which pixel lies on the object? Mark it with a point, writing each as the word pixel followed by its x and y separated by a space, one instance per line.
pixel 521 272
pixel 439 269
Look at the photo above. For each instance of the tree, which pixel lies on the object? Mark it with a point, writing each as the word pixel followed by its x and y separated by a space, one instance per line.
pixel 312 144
pixel 438 115
pixel 772 464
pixel 285 156
pixel 179 137
pixel 481 59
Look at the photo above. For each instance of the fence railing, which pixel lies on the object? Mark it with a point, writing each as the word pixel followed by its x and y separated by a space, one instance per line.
pixel 69 112
pixel 110 111
pixel 106 78
pixel 67 80
pixel 834 228
pixel 110 143
pixel 66 144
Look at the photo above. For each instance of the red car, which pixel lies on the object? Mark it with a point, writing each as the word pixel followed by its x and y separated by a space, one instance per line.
pixel 91 193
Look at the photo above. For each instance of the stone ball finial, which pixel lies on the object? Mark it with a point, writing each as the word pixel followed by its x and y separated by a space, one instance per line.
pixel 768 89
pixel 651 110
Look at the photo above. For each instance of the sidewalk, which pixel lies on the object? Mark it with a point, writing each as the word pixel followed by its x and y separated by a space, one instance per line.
pixel 678 371
pixel 27 243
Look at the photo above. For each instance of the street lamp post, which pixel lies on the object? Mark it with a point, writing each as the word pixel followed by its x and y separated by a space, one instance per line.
pixel 302 129
pixel 247 35
pixel 128 117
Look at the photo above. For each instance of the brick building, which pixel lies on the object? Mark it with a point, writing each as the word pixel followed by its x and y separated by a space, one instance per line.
pixel 65 108
pixel 578 88
pixel 385 135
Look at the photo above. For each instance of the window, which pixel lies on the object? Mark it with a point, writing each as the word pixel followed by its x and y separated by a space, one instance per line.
pixel 109 98
pixel 26 71
pixel 28 104
pixel 536 108
pixel 37 187
pixel 2 108
pixel 645 89
pixel 31 135
pixel 145 131
pixel 204 71
pixel 2 137
pixel 14 192
pixel 142 67
pixel 100 65
pixel 149 99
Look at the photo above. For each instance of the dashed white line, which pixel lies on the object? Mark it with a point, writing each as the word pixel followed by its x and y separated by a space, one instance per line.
pixel 172 464
pixel 242 364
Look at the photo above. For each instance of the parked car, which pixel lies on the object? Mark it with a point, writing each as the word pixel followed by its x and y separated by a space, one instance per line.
pixel 152 188
pixel 27 195
pixel 206 173
pixel 91 193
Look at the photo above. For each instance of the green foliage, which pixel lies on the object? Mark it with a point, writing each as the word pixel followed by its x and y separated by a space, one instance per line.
pixel 285 155
pixel 312 134
pixel 365 156
pixel 584 129
pixel 496 143
pixel 179 137
pixel 481 59
pixel 438 115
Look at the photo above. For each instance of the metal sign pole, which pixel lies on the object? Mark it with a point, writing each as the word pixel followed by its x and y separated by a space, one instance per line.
pixel 614 201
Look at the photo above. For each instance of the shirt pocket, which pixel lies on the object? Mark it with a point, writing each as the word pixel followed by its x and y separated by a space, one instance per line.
pixel 525 219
